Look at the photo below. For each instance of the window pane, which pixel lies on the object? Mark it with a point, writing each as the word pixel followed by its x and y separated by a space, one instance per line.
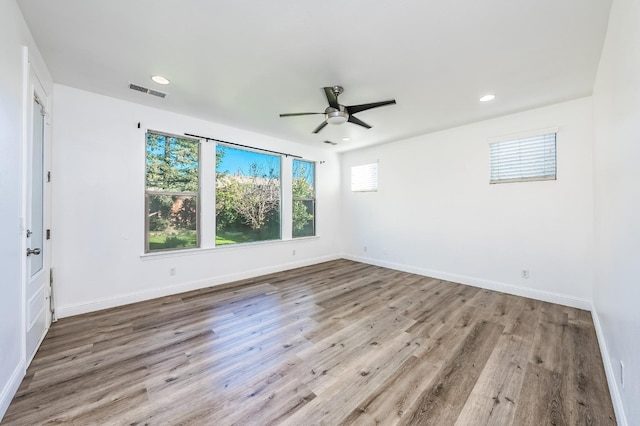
pixel 172 221
pixel 303 188
pixel 172 192
pixel 303 179
pixel 172 163
pixel 247 196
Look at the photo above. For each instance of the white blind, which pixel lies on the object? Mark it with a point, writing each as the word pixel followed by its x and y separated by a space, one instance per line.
pixel 364 178
pixel 531 158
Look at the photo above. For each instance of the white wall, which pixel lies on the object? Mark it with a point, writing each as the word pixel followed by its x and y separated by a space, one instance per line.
pixel 15 36
pixel 98 209
pixel 617 203
pixel 435 212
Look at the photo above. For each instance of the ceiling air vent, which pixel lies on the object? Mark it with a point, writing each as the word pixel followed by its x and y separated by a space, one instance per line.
pixel 139 88
pixel 156 93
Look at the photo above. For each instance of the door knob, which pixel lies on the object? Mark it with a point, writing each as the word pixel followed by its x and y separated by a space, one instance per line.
pixel 35 251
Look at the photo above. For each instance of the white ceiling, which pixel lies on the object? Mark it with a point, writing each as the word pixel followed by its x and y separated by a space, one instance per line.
pixel 242 62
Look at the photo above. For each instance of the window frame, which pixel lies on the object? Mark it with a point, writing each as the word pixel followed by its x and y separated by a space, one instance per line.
pixel 196 194
pixel 312 199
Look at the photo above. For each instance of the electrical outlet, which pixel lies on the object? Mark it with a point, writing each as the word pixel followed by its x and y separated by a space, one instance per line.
pixel 365 249
pixel 294 252
pixel 622 374
pixel 172 272
pixel 525 274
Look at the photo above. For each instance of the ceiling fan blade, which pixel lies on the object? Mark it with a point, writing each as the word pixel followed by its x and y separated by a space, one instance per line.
pixel 332 98
pixel 320 127
pixel 357 121
pixel 293 114
pixel 357 108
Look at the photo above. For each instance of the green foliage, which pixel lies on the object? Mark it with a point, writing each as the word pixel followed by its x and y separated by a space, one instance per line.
pixel 163 241
pixel 301 216
pixel 227 196
pixel 303 179
pixel 303 198
pixel 258 196
pixel 159 212
pixel 185 214
pixel 172 163
pixel 158 223
pixel 301 188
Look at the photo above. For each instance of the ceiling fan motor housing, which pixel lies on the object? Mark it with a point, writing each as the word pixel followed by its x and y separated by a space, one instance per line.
pixel 337 116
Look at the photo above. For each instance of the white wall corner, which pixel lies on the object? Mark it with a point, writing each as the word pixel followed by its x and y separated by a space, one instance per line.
pixel 614 390
pixel 11 387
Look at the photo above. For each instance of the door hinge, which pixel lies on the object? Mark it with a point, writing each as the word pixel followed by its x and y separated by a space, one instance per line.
pixel 48 234
pixel 48 176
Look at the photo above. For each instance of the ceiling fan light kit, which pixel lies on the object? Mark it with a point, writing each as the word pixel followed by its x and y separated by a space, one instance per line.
pixel 339 114
pixel 337 117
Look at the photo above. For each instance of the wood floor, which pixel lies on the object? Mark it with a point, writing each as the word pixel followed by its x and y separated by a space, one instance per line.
pixel 337 343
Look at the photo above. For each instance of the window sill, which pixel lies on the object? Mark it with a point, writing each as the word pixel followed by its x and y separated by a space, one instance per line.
pixel 227 247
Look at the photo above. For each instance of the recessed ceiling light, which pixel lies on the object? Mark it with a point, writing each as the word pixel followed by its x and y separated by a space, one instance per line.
pixel 159 79
pixel 346 139
pixel 487 98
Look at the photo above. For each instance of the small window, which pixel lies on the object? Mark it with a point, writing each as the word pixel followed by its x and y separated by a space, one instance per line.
pixel 172 182
pixel 304 198
pixel 525 159
pixel 364 178
pixel 247 196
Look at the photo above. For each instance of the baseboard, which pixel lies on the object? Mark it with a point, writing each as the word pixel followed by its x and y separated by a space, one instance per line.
pixel 10 389
pixel 614 390
pixel 546 296
pixel 125 299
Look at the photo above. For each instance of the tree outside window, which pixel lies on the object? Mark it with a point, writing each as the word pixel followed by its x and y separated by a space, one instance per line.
pixel 247 196
pixel 304 198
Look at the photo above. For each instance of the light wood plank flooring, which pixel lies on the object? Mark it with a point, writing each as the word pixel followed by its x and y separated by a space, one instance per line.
pixel 337 343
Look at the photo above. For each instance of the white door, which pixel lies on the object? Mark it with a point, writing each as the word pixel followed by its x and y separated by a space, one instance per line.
pixel 37 312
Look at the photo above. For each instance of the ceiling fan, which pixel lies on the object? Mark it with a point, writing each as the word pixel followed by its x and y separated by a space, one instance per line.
pixel 338 114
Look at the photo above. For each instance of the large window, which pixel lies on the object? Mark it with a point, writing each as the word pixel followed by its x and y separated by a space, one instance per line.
pixel 304 198
pixel 247 196
pixel 524 159
pixel 171 192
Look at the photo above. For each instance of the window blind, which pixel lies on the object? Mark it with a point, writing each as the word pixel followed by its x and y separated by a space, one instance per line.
pixel 525 159
pixel 364 178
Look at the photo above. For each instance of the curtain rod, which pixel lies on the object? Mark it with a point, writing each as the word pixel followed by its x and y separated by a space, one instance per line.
pixel 243 146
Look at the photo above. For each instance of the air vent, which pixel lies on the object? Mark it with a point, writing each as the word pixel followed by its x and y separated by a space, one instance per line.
pixel 139 88
pixel 331 143
pixel 156 93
